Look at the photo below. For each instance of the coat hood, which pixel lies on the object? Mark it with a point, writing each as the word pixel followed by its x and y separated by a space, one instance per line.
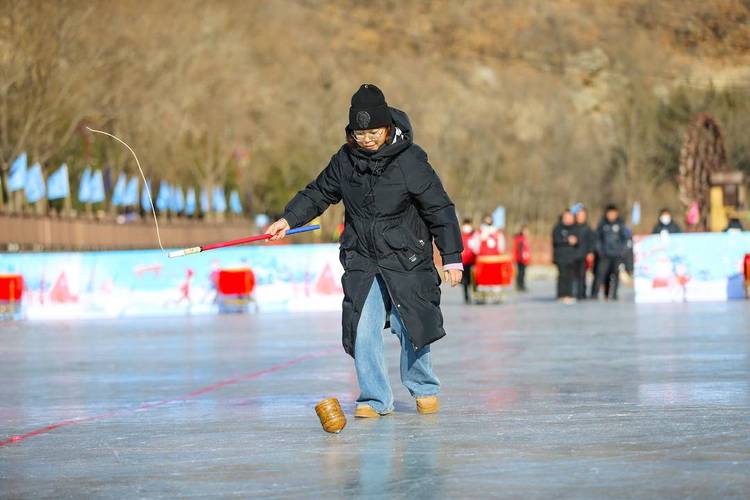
pixel 397 142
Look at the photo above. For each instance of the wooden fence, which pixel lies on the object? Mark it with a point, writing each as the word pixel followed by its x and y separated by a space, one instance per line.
pixel 49 233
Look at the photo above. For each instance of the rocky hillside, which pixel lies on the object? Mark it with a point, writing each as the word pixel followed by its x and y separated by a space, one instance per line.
pixel 530 103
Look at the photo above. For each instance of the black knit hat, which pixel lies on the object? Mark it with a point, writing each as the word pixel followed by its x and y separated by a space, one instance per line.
pixel 369 109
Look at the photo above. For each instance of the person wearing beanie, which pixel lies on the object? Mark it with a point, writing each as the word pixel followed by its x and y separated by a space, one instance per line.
pixel 565 242
pixel 395 207
pixel 612 240
pixel 586 247
pixel 369 110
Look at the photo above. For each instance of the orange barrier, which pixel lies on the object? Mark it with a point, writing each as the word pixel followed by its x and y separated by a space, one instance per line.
pixel 747 275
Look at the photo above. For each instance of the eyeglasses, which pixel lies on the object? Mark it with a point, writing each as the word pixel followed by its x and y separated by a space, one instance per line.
pixel 361 135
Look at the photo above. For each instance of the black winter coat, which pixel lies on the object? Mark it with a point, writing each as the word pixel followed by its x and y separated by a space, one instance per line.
pixel 612 238
pixel 394 206
pixel 562 251
pixel 587 240
pixel 672 227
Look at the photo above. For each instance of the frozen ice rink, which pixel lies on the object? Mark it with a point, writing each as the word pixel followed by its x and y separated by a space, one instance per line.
pixel 540 400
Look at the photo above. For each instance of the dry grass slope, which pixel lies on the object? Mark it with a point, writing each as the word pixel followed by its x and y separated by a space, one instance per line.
pixel 533 104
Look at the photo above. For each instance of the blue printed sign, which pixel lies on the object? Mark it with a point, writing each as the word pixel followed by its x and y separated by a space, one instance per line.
pixel 147 283
pixel 690 267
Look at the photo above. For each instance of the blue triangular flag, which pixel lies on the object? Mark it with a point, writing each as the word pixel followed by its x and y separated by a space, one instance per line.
pixel 162 200
pixel 57 184
pixel 130 198
pixel 146 197
pixel 84 186
pixel 96 193
pixel 34 188
pixel 177 200
pixel 498 217
pixel 190 202
pixel 205 208
pixel 635 217
pixel 118 194
pixel 219 200
pixel 262 220
pixel 17 175
pixel 234 202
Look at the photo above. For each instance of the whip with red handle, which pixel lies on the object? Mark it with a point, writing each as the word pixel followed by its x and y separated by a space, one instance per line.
pixel 241 241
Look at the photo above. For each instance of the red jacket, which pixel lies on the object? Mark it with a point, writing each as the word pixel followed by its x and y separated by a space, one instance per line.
pixel 487 241
pixel 467 256
pixel 521 250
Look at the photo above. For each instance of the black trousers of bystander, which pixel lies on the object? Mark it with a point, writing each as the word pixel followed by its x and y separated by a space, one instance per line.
pixel 609 275
pixel 594 291
pixel 466 282
pixel 565 277
pixel 520 277
pixel 579 281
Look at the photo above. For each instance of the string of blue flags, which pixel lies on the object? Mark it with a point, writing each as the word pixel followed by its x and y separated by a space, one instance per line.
pixel 125 193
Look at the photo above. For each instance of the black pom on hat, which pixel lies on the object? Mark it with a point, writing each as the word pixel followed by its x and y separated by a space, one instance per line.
pixel 369 109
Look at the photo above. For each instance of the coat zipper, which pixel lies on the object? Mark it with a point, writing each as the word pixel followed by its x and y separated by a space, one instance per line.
pixel 390 295
pixel 375 253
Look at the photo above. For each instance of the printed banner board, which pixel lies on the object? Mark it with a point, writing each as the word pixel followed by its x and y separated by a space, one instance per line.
pixel 147 283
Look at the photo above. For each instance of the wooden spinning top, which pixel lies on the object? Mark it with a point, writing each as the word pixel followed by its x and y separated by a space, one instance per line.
pixel 331 415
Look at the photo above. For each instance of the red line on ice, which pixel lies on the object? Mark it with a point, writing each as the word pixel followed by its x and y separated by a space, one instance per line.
pixel 156 404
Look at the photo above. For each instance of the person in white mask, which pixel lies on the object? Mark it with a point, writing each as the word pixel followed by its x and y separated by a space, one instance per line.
pixel 488 240
pixel 665 224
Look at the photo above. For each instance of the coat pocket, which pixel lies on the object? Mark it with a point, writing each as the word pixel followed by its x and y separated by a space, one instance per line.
pixel 347 245
pixel 409 249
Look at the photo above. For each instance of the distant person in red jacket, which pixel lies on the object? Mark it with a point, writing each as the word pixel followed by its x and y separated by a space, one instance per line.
pixel 521 256
pixel 487 240
pixel 467 257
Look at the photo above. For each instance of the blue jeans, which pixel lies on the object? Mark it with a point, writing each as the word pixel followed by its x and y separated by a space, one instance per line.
pixel 369 359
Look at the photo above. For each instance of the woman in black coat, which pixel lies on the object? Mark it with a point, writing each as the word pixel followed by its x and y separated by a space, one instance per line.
pixel 564 253
pixel 395 205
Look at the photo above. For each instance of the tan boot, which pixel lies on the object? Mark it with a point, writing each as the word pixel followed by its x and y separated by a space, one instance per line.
pixel 428 404
pixel 367 411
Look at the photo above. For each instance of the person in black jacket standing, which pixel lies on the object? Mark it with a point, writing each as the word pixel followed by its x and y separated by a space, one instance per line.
pixel 395 205
pixel 586 246
pixel 612 243
pixel 565 243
